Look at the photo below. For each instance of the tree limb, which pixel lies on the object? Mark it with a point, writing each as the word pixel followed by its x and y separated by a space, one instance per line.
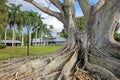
pixel 45 9
pixel 102 2
pixel 85 6
pixel 99 4
pixel 57 3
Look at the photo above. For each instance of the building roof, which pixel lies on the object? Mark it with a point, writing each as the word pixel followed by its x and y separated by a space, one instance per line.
pixel 10 41
pixel 58 39
pixel 37 40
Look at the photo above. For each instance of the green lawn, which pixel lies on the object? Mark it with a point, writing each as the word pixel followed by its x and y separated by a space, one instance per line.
pixel 22 51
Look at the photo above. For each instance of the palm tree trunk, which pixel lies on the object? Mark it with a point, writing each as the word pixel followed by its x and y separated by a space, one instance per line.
pixel 41 38
pixel 5 35
pixel 13 38
pixel 22 37
pixel 30 36
pixel 35 37
pixel 0 39
pixel 28 45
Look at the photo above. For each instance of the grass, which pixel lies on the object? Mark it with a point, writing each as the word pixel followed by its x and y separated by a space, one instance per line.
pixel 22 51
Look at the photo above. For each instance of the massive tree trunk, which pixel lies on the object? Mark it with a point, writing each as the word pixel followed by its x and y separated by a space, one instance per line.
pixel 92 54
pixel 104 49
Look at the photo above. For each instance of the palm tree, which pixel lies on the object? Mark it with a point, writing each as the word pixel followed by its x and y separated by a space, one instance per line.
pixel 51 27
pixel 30 21
pixel 3 16
pixel 43 30
pixel 5 23
pixel 13 11
pixel 21 24
pixel 37 25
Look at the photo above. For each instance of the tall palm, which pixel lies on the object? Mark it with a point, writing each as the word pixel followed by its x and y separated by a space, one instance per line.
pixel 6 21
pixel 3 16
pixel 37 25
pixel 13 11
pixel 30 22
pixel 43 30
pixel 21 24
pixel 51 27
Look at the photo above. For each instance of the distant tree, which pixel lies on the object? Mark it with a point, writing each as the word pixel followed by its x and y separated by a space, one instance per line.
pixel 51 27
pixel 21 24
pixel 63 33
pixel 3 12
pixel 3 17
pixel 31 21
pixel 80 21
pixel 25 39
pixel 79 24
pixel 1 32
pixel 9 34
pixel 38 22
pixel 13 13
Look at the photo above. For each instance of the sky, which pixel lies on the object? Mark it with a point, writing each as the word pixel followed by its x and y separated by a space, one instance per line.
pixel 49 20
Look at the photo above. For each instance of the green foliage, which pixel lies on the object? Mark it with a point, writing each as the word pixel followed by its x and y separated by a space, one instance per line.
pixel 117 36
pixel 80 22
pixel 11 14
pixel 25 38
pixel 13 11
pixel 2 46
pixel 63 33
pixel 1 31
pixel 33 35
pixel 43 30
pixel 9 34
pixel 3 17
pixel 3 12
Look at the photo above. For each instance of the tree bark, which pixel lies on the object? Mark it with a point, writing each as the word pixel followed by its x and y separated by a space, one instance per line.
pixel 91 54
pixel 103 47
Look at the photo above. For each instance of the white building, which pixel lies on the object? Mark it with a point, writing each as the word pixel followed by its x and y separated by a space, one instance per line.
pixel 9 42
pixel 48 41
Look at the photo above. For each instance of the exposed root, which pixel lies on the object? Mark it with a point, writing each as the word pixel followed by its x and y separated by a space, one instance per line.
pixel 68 67
pixel 65 64
pixel 100 71
pixel 99 51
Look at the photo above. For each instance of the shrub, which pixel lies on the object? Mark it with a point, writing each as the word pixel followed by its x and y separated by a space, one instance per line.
pixel 117 36
pixel 2 46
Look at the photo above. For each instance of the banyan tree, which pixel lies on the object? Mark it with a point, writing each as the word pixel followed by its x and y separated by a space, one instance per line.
pixel 91 54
